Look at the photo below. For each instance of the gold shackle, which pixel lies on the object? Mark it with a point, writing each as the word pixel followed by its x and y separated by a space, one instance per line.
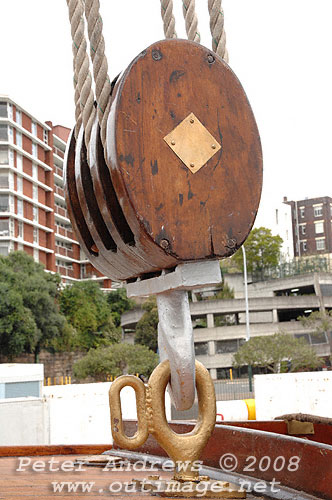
pixel 151 417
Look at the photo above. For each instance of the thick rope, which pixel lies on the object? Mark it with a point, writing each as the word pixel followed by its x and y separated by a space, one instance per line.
pixel 168 18
pixel 217 28
pixel 84 98
pixel 99 60
pixel 190 17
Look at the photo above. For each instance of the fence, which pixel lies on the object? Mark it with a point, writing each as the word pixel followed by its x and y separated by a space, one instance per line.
pixel 63 380
pixel 226 390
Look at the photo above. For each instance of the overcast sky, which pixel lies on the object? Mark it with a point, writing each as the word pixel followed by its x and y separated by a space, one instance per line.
pixel 280 50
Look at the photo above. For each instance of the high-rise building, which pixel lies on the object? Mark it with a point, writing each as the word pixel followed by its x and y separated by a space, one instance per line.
pixel 312 226
pixel 33 214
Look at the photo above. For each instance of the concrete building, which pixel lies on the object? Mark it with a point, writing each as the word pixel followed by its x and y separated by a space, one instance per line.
pixel 274 305
pixel 33 214
pixel 312 229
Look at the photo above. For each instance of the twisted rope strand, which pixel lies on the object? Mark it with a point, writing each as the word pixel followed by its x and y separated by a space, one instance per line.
pixel 84 97
pixel 190 17
pixel 217 28
pixel 99 61
pixel 168 18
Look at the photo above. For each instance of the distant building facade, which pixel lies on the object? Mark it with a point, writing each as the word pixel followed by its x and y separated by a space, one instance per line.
pixel 33 214
pixel 312 226
pixel 274 306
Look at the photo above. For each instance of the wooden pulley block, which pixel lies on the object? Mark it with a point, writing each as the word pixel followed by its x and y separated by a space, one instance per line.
pixel 184 165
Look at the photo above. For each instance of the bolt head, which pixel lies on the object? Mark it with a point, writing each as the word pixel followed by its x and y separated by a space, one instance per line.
pixel 164 244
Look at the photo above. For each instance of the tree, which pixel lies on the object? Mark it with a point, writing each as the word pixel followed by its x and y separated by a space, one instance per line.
pixel 115 360
pixel 29 314
pixel 274 350
pixel 18 331
pixel 87 311
pixel 262 251
pixel 119 303
pixel 320 322
pixel 147 327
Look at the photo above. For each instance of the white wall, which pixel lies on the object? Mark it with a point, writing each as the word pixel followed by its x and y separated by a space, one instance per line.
pixel 23 422
pixel 308 392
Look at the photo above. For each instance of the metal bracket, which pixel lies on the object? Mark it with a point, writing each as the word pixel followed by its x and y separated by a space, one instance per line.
pixel 175 332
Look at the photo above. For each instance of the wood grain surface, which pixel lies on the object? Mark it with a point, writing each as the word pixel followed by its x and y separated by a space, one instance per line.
pixel 192 216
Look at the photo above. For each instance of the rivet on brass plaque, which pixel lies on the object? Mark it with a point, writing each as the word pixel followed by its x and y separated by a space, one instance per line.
pixel 192 143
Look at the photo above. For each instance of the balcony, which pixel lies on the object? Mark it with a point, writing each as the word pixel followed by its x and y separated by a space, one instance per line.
pixel 64 271
pixel 61 211
pixel 59 191
pixel 65 232
pixel 58 171
pixel 64 251
pixel 58 152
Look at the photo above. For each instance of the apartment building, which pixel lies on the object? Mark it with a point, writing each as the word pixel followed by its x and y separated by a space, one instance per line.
pixel 33 214
pixel 312 226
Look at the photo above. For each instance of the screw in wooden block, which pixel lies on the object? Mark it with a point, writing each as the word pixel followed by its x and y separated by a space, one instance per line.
pixel 192 120
pixel 173 143
pixel 192 165
pixel 164 244
pixel 213 146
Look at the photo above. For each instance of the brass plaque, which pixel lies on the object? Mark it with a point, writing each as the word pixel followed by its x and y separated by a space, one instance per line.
pixel 295 427
pixel 192 143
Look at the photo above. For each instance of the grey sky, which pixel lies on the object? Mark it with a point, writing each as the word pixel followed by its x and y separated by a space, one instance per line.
pixel 280 50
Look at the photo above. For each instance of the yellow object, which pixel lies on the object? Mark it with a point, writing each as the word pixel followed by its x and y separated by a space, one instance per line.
pixel 251 405
pixel 150 402
pixel 231 373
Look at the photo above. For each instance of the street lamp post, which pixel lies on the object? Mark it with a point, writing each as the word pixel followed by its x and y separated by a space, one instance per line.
pixel 247 310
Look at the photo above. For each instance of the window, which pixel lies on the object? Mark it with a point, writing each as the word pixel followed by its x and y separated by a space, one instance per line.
pixel 45 136
pixel 320 244
pixel 303 229
pixel 10 135
pixel 304 246
pixel 18 139
pixel 18 117
pixel 35 171
pixel 3 110
pixel 20 207
pixel 19 185
pixel 34 128
pixel 10 111
pixel 4 203
pixel 277 216
pixel 34 150
pixel 4 227
pixel 319 227
pixel 302 212
pixel 226 346
pixel 19 162
pixel 4 249
pixel 35 214
pixel 4 181
pixel 35 235
pixel 3 154
pixel 201 348
pixel 36 254
pixel 318 211
pixel 35 192
pixel 20 229
pixel 3 133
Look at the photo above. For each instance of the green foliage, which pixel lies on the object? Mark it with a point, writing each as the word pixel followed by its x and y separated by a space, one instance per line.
pixel 224 292
pixel 319 322
pixel 262 251
pixel 119 303
pixel 29 314
pixel 87 311
pixel 147 327
pixel 274 350
pixel 115 360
